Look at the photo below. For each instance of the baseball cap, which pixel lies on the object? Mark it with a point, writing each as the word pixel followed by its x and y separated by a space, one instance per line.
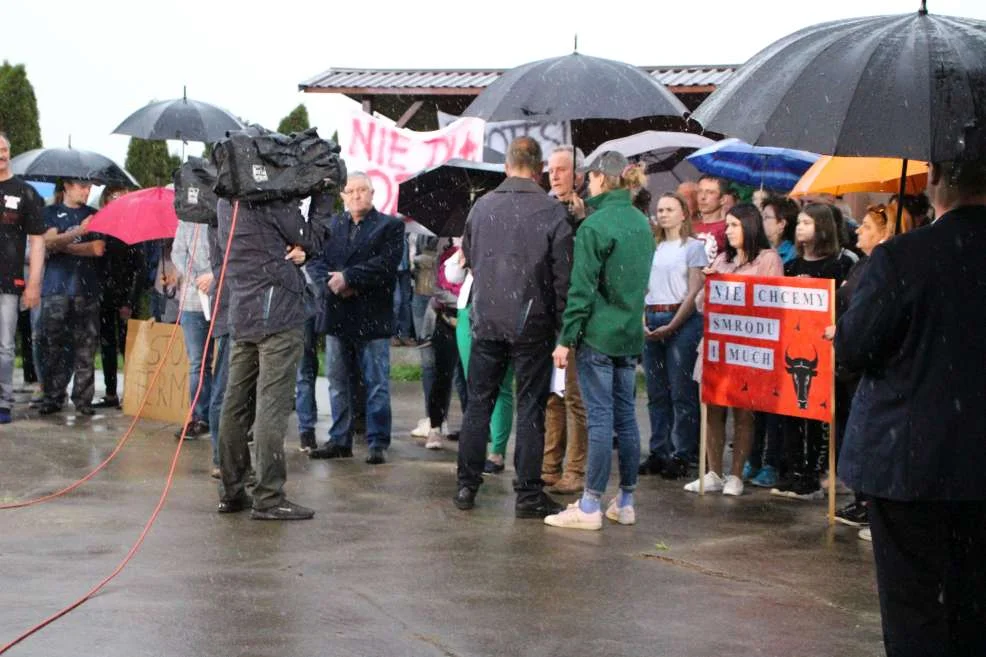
pixel 608 163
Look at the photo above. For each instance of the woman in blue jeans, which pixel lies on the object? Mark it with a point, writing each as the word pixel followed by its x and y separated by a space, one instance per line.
pixel 613 251
pixel 672 330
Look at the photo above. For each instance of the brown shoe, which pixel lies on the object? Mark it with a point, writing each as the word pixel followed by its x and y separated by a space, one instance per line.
pixel 550 479
pixel 569 484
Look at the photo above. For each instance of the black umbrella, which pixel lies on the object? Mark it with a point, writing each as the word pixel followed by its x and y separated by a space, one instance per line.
pixel 52 164
pixel 574 87
pixel 909 86
pixel 440 198
pixel 181 118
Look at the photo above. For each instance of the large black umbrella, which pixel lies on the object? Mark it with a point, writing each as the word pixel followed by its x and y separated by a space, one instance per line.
pixel 52 164
pixel 440 198
pixel 574 87
pixel 181 118
pixel 908 86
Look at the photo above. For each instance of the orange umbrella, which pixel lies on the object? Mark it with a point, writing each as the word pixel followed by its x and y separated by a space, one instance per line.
pixel 841 175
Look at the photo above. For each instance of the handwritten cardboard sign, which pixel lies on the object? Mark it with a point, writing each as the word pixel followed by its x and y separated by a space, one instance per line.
pixel 390 155
pixel 763 346
pixel 147 342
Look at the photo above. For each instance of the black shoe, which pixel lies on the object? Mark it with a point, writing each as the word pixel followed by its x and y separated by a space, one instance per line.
pixel 235 505
pixel 194 429
pixel 538 507
pixel 107 402
pixel 376 456
pixel 854 515
pixel 331 451
pixel 654 465
pixel 453 436
pixel 676 468
pixel 492 467
pixel 465 499
pixel 85 410
pixel 284 511
pixel 308 442
pixel 49 408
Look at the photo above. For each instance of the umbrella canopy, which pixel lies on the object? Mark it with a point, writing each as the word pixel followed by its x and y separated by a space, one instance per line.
pixel 140 216
pixel 663 154
pixel 181 118
pixel 842 175
pixel 758 166
pixel 440 198
pixel 908 86
pixel 574 87
pixel 53 164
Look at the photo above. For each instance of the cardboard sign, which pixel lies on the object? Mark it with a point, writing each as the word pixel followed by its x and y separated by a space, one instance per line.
pixel 763 347
pixel 390 155
pixel 147 342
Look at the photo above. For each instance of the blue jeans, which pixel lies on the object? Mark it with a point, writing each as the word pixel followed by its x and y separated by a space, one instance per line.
pixel 37 338
pixel 672 394
pixel 373 357
pixel 195 329
pixel 9 309
pixel 304 395
pixel 607 385
pixel 403 292
pixel 219 376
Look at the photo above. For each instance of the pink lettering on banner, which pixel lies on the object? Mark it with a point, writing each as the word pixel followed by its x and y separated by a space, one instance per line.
pixel 390 155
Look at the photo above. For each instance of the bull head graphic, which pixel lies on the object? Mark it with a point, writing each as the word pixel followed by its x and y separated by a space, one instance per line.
pixel 802 371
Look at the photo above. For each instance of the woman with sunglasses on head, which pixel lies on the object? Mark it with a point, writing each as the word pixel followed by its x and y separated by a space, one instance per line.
pixel 877 227
pixel 819 256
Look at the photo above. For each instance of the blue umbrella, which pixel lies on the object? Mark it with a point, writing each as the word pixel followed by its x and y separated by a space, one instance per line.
pixel 45 189
pixel 778 169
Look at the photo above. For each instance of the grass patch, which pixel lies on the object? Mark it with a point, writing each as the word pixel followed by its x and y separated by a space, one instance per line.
pixel 405 372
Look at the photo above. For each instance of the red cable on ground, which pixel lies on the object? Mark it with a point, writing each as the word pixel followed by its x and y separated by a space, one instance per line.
pixel 171 471
pixel 133 425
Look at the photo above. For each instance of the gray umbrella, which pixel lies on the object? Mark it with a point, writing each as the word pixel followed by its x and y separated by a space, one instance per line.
pixel 910 86
pixel 53 164
pixel 181 118
pixel 574 87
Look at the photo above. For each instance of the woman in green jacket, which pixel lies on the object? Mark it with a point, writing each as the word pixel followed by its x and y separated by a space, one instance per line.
pixel 613 252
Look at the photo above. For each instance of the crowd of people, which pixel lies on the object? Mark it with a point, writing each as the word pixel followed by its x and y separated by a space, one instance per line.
pixel 492 313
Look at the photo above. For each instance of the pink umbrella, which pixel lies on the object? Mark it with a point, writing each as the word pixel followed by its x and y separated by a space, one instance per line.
pixel 147 214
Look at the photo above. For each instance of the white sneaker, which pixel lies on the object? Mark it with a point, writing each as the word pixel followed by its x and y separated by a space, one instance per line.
pixel 713 484
pixel 435 439
pixel 625 515
pixel 865 535
pixel 575 518
pixel 421 431
pixel 733 485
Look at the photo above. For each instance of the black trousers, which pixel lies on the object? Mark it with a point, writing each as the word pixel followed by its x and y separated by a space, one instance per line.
pixel 931 575
pixel 112 342
pixel 27 346
pixel 488 363
pixel 446 360
pixel 804 446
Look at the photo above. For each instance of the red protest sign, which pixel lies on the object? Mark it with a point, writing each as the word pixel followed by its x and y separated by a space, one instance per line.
pixel 763 347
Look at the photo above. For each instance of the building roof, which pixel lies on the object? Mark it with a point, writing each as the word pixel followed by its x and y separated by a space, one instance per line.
pixel 679 79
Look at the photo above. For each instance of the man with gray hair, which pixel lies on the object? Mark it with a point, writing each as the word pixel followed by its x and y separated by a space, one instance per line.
pixel 358 269
pixel 915 442
pixel 566 443
pixel 20 219
pixel 518 244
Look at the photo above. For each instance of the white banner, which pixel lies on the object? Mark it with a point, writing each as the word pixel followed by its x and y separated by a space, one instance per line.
pixel 499 134
pixel 391 155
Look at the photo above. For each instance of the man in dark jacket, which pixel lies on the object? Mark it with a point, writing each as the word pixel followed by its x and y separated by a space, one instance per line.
pixel 268 307
pixel 916 437
pixel 518 243
pixel 357 270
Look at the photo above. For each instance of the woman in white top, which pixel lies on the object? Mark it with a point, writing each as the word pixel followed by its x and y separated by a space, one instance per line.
pixel 672 330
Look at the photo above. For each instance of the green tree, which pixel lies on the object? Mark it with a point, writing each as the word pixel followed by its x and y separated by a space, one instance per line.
pixel 296 121
pixel 150 162
pixel 18 109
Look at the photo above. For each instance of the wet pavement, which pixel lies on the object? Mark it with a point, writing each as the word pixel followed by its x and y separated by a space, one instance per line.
pixel 389 567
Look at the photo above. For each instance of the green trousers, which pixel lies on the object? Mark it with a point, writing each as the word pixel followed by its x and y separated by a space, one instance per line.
pixel 502 420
